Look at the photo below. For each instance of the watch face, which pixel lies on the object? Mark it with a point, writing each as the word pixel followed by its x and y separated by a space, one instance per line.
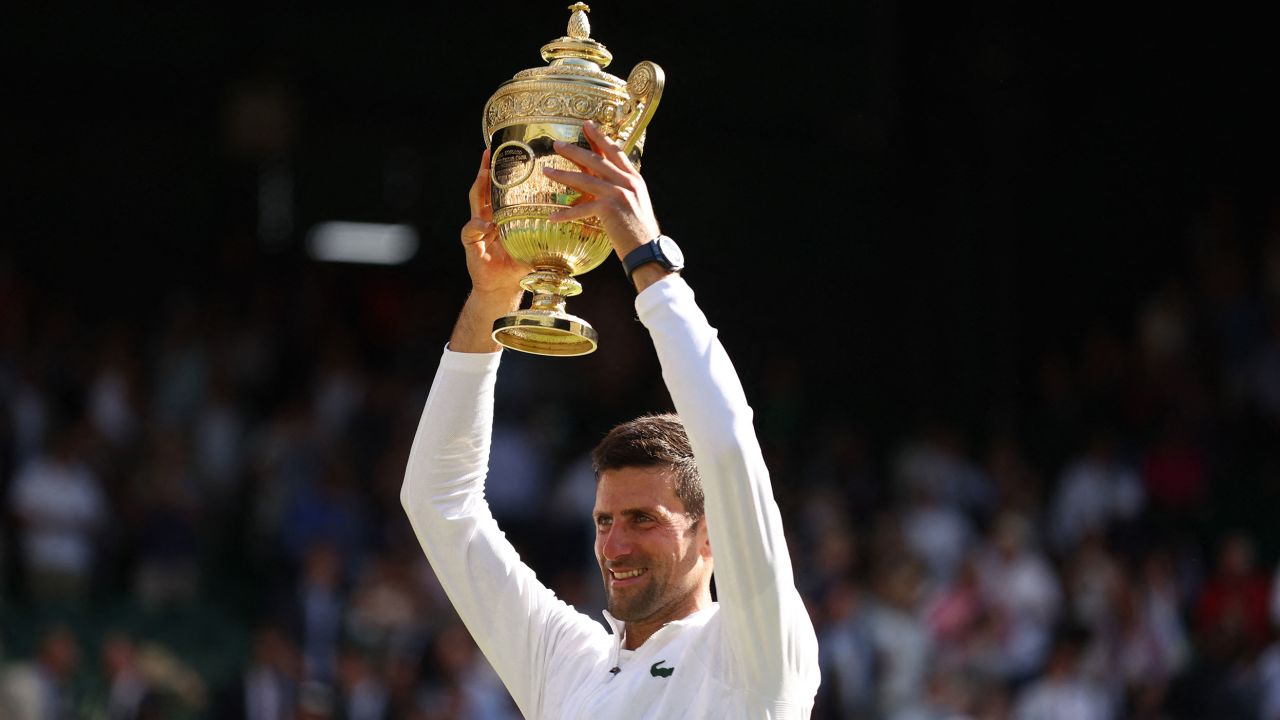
pixel 671 252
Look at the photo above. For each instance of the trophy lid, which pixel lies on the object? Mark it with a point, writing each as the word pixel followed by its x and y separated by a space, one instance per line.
pixel 573 87
pixel 577 43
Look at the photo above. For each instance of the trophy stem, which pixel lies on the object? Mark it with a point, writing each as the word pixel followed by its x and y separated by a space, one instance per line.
pixel 544 328
pixel 548 302
pixel 551 281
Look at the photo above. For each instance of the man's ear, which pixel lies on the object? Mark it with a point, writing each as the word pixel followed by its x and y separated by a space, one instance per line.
pixel 705 548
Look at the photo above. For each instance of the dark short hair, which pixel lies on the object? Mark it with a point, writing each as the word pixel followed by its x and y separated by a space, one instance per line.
pixel 654 441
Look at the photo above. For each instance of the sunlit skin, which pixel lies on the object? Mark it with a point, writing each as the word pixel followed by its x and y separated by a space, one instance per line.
pixel 641 526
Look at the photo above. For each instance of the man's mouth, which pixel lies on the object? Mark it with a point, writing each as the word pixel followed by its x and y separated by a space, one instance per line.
pixel 627 574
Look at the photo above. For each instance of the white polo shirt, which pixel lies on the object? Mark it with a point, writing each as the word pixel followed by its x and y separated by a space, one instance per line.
pixel 751 655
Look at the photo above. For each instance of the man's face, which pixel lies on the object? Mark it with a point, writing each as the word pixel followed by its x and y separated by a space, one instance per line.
pixel 655 560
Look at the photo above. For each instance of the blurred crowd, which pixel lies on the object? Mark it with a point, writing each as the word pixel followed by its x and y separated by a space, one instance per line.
pixel 201 509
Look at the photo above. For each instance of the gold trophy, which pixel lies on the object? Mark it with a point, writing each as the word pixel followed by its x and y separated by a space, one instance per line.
pixel 521 121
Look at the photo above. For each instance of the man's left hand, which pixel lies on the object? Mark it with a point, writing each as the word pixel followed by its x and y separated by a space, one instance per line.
pixel 612 191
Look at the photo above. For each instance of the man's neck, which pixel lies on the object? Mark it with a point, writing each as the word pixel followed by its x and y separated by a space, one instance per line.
pixel 634 634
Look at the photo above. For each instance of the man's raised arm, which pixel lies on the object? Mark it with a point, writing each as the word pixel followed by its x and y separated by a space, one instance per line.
pixel 769 630
pixel 515 620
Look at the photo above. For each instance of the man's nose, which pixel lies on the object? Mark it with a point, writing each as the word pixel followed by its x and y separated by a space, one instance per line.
pixel 617 544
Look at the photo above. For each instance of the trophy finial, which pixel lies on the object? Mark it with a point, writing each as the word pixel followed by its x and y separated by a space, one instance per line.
pixel 579 26
pixel 577 45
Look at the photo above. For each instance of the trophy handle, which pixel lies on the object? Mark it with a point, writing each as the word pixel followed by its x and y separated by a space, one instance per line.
pixel 644 85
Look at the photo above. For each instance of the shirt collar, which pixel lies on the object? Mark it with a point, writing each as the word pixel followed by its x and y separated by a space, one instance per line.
pixel 701 617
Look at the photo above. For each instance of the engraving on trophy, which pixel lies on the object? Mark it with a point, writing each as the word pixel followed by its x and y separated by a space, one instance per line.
pixel 537 189
pixel 512 164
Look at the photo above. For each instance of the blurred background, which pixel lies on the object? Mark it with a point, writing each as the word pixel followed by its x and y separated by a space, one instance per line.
pixel 1002 282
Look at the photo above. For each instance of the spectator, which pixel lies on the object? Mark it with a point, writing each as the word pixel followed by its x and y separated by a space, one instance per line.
pixel 1140 664
pixel 364 695
pixel 956 614
pixel 59 504
pixel 1019 585
pixel 936 533
pixel 386 611
pixel 328 510
pixel 1095 491
pixel 1269 678
pixel 467 688
pixel 129 694
pixel 901 644
pixel 316 701
pixel 1064 692
pixel 146 681
pixel 1094 578
pixel 318 608
pixel 1157 596
pixel 218 444
pixel 268 687
pixel 1176 470
pixel 1233 604
pixel 41 689
pixel 847 655
pixel 113 394
pixel 935 462
pixel 164 512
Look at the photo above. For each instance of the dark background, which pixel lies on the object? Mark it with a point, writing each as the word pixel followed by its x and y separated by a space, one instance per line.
pixel 923 198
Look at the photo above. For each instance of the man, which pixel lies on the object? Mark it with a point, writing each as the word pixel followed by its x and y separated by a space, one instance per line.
pixel 664 501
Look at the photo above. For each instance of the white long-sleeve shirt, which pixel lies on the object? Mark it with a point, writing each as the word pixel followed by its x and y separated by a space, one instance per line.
pixel 751 655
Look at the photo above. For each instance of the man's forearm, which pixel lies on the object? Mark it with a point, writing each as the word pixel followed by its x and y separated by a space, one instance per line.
pixel 473 333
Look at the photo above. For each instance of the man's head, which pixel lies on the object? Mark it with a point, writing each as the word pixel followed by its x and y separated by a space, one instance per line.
pixel 651 538
pixel 654 441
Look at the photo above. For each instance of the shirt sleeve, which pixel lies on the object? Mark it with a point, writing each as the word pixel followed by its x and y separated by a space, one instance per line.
pixel 767 627
pixel 516 621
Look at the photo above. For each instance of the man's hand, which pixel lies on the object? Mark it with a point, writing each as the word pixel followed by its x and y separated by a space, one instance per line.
pixel 492 269
pixel 612 191
pixel 495 275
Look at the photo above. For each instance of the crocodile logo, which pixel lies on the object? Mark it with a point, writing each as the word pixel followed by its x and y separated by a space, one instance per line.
pixel 656 671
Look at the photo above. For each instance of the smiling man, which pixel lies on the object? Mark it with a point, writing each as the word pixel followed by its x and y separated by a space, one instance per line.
pixel 651 537
pixel 677 497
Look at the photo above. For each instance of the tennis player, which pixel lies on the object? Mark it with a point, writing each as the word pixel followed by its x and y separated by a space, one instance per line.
pixel 677 498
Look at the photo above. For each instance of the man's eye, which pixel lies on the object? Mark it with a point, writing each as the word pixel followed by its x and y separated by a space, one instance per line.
pixel 603 522
pixel 643 518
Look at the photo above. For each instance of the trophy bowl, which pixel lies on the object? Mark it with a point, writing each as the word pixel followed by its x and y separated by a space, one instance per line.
pixel 522 120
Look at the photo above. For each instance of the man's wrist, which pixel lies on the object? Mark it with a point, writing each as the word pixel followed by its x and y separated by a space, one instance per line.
pixel 473 332
pixel 648 274
pixel 622 250
pixel 505 300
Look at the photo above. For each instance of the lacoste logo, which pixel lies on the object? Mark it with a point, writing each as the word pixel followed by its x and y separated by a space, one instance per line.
pixel 656 671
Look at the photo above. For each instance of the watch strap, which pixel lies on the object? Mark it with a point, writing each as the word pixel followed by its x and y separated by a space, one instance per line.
pixel 647 253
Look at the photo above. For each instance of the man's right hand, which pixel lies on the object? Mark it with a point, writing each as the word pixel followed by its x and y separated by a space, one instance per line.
pixel 492 269
pixel 495 275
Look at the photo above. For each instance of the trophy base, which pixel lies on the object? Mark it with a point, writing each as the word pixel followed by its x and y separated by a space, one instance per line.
pixel 543 332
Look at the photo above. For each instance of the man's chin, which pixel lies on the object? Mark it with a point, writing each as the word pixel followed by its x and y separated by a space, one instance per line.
pixel 624 610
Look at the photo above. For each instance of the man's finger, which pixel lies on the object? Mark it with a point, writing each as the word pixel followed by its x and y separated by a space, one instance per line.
pixel 588 160
pixel 477 229
pixel 577 212
pixel 581 181
pixel 478 196
pixel 605 145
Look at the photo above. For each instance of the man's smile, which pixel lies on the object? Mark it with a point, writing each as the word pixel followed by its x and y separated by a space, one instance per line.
pixel 624 575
